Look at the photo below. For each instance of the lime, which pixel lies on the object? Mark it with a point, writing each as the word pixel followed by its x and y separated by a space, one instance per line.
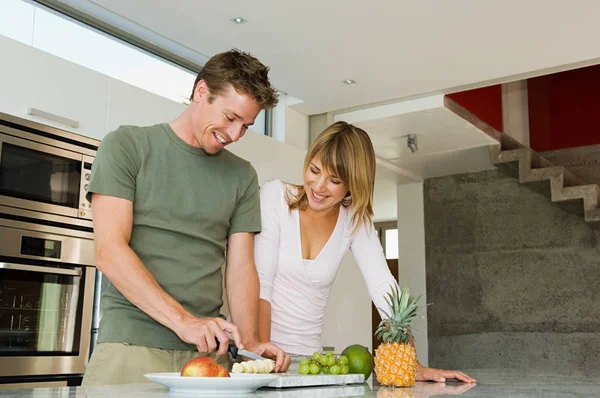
pixel 360 360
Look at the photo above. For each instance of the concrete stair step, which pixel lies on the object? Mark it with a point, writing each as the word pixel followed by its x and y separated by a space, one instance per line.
pixel 564 188
pixel 588 193
pixel 593 216
pixel 561 186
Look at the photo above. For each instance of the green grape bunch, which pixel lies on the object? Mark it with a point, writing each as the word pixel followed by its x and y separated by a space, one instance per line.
pixel 325 363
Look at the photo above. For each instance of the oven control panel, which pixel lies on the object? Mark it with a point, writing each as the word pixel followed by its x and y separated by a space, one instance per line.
pixel 85 206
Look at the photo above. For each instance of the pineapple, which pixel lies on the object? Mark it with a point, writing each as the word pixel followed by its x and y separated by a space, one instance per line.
pixel 395 358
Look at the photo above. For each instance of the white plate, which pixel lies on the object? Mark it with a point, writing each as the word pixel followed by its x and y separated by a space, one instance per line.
pixel 238 383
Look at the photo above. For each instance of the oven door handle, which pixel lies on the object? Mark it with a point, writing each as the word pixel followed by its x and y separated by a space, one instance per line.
pixel 45 270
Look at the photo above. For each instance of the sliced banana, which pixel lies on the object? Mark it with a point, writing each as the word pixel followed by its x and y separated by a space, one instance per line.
pixel 256 366
pixel 270 365
pixel 263 367
pixel 237 368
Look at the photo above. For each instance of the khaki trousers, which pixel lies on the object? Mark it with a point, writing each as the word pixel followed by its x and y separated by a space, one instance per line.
pixel 122 363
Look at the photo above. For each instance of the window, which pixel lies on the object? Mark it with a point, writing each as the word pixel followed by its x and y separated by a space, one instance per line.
pixel 391 243
pixel 64 37
pixel 16 20
pixel 97 51
pixel 388 236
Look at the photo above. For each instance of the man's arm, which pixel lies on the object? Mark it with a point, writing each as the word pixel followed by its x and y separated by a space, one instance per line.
pixel 113 221
pixel 242 285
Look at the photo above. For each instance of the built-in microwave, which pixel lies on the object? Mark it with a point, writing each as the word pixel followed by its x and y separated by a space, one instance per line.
pixel 45 170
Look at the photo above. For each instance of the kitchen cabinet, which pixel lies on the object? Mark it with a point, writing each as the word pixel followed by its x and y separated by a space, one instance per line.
pixel 130 105
pixel 31 78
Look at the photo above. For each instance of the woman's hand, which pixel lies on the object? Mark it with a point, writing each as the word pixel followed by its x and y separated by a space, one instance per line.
pixel 441 375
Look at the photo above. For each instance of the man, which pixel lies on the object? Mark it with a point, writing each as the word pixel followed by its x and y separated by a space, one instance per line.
pixel 168 204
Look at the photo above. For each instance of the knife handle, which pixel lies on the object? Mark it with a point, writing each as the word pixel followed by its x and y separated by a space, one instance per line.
pixel 233 350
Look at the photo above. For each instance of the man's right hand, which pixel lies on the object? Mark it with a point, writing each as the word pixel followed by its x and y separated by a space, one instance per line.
pixel 204 333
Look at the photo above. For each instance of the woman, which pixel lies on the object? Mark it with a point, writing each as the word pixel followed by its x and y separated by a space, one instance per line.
pixel 306 231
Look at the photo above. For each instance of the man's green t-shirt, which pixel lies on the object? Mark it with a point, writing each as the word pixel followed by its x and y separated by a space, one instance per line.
pixel 185 205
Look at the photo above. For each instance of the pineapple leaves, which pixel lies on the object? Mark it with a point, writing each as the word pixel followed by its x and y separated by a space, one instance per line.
pixel 403 309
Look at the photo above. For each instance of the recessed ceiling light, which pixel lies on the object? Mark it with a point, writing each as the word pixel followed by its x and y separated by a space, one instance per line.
pixel 238 20
pixel 349 81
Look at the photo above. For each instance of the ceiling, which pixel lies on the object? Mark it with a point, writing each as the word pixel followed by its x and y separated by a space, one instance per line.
pixel 442 137
pixel 403 55
pixel 391 48
pixel 438 131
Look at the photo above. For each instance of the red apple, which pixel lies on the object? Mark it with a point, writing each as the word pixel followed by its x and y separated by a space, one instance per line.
pixel 223 372
pixel 203 367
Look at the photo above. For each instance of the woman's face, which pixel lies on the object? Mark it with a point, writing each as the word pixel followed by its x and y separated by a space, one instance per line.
pixel 323 190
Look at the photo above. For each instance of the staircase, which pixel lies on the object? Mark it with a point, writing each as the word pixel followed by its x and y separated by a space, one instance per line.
pixel 557 183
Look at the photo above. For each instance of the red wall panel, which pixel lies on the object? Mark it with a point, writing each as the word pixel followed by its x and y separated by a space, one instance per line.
pixel 564 109
pixel 485 103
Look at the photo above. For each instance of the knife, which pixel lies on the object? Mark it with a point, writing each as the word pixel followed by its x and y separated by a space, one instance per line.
pixel 234 351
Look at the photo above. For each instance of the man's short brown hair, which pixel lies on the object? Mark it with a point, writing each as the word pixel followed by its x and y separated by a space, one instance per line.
pixel 243 71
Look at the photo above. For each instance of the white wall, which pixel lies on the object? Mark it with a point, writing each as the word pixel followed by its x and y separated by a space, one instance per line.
pixel 411 256
pixel 515 111
pixel 317 124
pixel 271 159
pixel 296 128
pixel 385 197
pixel 148 109
pixel 385 201
pixel 289 125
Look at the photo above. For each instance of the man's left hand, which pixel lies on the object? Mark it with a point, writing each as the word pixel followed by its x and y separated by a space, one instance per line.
pixel 270 350
pixel 441 375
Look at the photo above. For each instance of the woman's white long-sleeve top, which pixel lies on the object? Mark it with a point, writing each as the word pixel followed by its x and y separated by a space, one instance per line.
pixel 298 289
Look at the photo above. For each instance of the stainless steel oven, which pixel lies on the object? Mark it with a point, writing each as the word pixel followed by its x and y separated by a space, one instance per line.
pixel 47 278
pixel 47 255
pixel 43 169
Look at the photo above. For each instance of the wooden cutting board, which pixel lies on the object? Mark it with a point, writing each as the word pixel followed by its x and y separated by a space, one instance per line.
pixel 298 380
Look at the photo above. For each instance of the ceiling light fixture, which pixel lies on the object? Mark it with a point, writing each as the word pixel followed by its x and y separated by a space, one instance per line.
pixel 238 20
pixel 349 81
pixel 411 142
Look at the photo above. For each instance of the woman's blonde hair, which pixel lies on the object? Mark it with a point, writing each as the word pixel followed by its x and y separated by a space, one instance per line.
pixel 345 151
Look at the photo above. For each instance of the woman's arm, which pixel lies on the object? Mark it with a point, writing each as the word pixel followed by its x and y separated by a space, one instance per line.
pixel 266 247
pixel 368 252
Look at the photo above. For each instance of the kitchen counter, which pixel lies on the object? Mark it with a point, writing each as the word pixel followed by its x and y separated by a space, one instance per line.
pixel 490 383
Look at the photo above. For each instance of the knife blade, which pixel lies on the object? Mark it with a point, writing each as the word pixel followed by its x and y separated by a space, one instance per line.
pixel 249 354
pixel 234 351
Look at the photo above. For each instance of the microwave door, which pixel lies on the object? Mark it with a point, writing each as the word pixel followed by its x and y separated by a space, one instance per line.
pixel 39 177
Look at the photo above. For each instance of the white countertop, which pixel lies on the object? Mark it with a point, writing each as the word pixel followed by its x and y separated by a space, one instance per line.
pixel 490 383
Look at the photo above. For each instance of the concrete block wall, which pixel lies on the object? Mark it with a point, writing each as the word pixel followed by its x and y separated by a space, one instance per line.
pixel 514 280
